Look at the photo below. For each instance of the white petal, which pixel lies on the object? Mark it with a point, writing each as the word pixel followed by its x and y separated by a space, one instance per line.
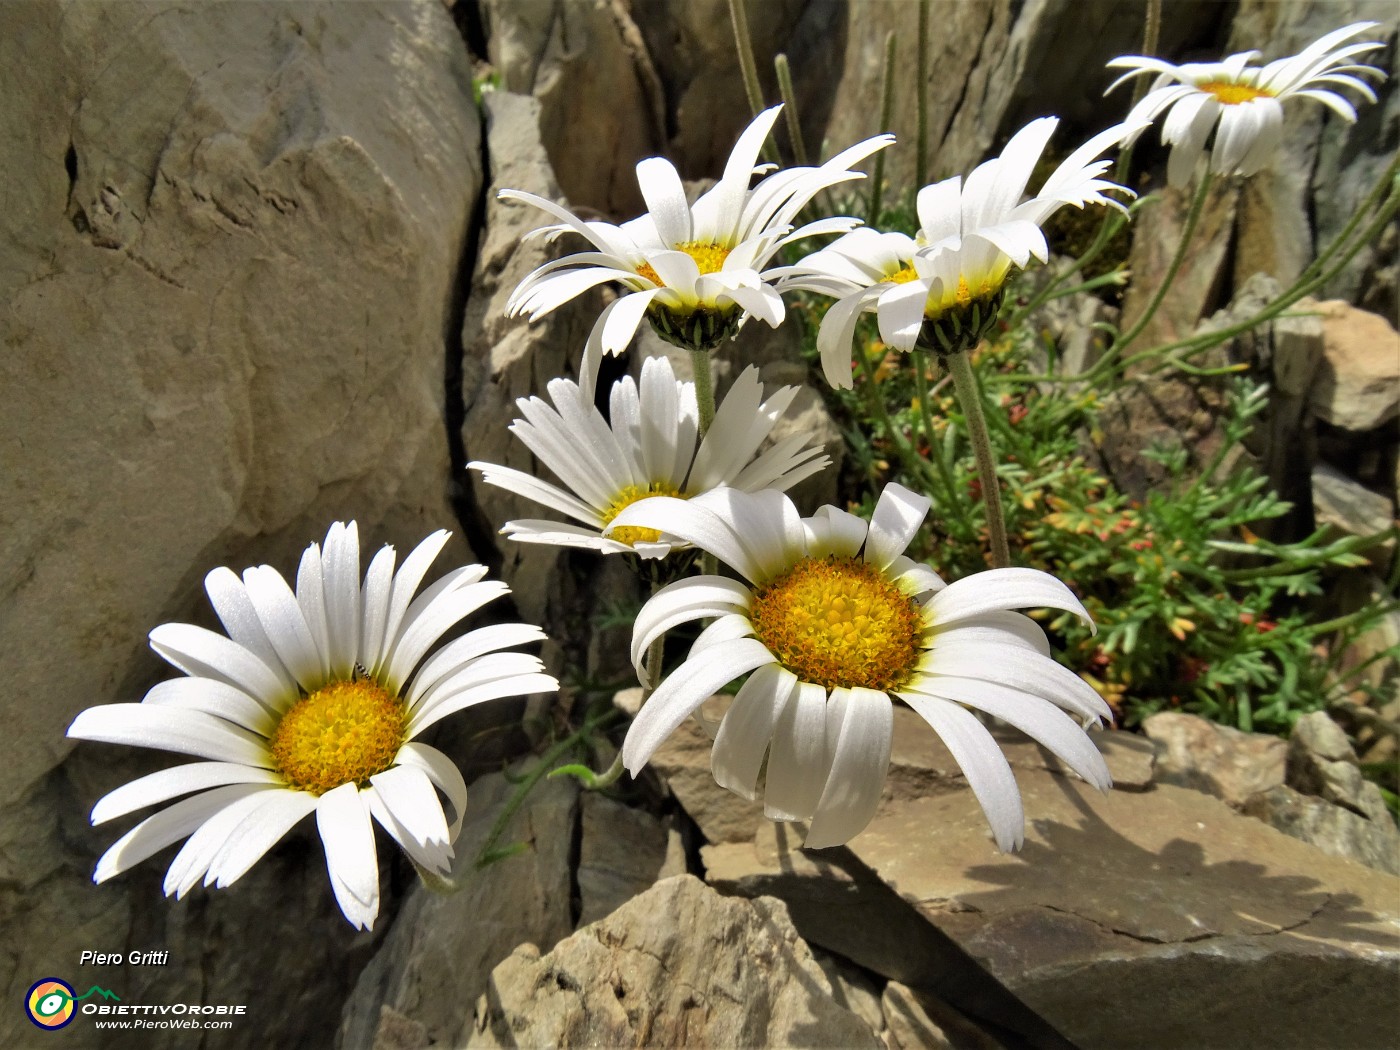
pixel 218 699
pixel 798 758
pixel 982 762
pixel 311 599
pixel 1019 669
pixel 406 582
pixel 193 860
pixel 1004 589
pixel 341 560
pixel 747 728
pixel 685 689
pixel 204 654
pixel 240 619
pixel 445 776
pixel 171 729
pixel 348 836
pixel 897 517
pixel 424 626
pixel 834 531
pixel 681 602
pixel 450 700
pixel 379 585
pixel 461 652
pixel 261 829
pixel 693 523
pixel 169 825
pixel 858 767
pixel 900 311
pixel 665 196
pixel 410 796
pixel 166 784
pixel 284 619
pixel 1043 723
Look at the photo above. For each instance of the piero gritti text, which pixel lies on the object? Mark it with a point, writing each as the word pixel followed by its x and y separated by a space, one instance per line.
pixel 132 958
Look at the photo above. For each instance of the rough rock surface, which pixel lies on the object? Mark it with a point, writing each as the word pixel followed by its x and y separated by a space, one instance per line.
pixel 919 1021
pixel 509 358
pixel 1358 386
pixel 231 238
pixel 1351 509
pixel 439 954
pixel 1216 759
pixel 584 60
pixel 1213 928
pixel 1336 830
pixel 622 851
pixel 679 965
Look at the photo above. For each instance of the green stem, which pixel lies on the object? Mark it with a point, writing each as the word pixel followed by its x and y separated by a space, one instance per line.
pixel 970 397
pixel 794 126
pixel 877 174
pixel 704 388
pixel 921 94
pixel 748 67
pixel 1193 217
pixel 704 379
pixel 935 451
pixel 542 769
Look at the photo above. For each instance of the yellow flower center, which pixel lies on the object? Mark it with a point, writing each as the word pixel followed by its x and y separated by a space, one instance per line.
pixel 903 276
pixel 1233 94
pixel 708 256
pixel 343 733
pixel 839 622
pixel 634 534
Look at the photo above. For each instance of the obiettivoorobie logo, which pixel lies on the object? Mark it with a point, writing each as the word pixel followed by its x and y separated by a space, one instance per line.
pixel 49 1003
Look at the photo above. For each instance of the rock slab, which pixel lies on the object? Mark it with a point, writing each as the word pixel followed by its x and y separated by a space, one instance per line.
pixel 678 966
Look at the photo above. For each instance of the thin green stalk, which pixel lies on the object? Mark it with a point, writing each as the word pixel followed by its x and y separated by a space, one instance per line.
pixel 1196 343
pixel 748 67
pixel 542 769
pixel 877 176
pixel 921 92
pixel 1193 217
pixel 794 126
pixel 935 452
pixel 970 397
pixel 704 379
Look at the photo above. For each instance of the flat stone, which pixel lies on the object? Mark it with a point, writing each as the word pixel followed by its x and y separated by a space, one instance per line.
pixel 1227 763
pixel 1213 928
pixel 678 965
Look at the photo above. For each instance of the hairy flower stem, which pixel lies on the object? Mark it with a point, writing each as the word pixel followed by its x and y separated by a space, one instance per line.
pixel 794 125
pixel 970 398
pixel 877 175
pixel 921 94
pixel 935 453
pixel 705 400
pixel 748 66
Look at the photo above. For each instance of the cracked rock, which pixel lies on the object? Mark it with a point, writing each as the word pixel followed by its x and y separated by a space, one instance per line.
pixel 679 965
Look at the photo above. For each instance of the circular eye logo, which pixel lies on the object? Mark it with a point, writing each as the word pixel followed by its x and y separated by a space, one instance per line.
pixel 49 1003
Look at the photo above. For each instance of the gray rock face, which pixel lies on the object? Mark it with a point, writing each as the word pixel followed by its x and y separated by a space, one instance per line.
pixel 231 237
pixel 439 954
pixel 622 851
pixel 508 358
pixel 1224 762
pixel 679 965
pixel 1336 830
pixel 1351 509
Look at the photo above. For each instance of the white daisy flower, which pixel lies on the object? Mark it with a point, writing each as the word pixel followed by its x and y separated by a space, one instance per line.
pixel 311 704
pixel 1243 104
pixel 942 289
pixel 834 620
pixel 648 449
pixel 694 270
